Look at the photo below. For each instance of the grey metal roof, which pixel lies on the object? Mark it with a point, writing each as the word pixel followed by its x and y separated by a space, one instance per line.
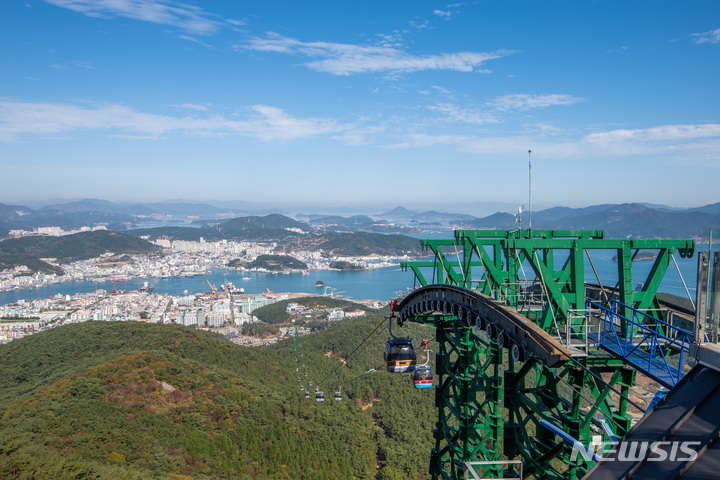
pixel 689 413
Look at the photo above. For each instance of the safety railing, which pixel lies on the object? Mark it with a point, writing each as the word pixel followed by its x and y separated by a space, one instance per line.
pixel 643 340
pixel 576 331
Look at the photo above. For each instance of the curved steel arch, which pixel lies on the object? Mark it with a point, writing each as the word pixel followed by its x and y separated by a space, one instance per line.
pixel 490 406
pixel 479 310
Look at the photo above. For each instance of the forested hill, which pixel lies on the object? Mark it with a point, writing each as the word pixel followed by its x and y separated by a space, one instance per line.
pixel 273 227
pixel 79 246
pixel 269 226
pixel 363 243
pixel 284 230
pixel 68 248
pixel 109 400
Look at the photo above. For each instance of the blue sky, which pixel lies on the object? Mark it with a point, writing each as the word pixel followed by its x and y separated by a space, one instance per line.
pixel 373 102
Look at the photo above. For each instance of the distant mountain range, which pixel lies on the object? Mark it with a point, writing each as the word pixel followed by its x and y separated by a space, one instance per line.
pixel 635 220
pixel 337 234
pixel 285 230
pixel 631 220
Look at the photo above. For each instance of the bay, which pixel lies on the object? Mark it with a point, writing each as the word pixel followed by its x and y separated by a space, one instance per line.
pixel 377 284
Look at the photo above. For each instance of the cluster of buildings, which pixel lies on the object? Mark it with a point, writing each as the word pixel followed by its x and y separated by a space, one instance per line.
pixel 178 259
pixel 210 311
pixel 332 313
pixel 53 231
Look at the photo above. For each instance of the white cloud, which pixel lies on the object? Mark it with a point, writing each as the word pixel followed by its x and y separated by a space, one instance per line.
pixel 618 50
pixel 426 140
pixel 84 64
pixel 347 59
pixel 526 102
pixel 455 114
pixel 420 26
pixel 77 64
pixel 664 133
pixel 192 106
pixel 394 40
pixel 358 136
pixel 712 36
pixel 442 90
pixel 19 120
pixel 441 13
pixel 195 40
pixel 494 111
pixel 680 144
pixel 273 123
pixel 163 12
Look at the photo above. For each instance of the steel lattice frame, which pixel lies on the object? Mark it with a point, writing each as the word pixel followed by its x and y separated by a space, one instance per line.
pixel 489 406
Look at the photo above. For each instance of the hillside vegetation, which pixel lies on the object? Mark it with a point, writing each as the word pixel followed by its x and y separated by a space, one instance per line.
pixel 34 264
pixel 277 313
pixel 362 243
pixel 134 401
pixel 69 248
pixel 276 263
pixel 273 226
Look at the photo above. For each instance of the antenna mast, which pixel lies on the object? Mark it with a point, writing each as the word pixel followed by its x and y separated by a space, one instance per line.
pixel 529 190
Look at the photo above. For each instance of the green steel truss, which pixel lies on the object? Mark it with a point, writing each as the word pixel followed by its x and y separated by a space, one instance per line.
pixel 489 405
pixel 557 259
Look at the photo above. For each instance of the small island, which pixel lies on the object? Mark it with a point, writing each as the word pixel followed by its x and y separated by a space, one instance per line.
pixel 276 263
pixel 343 265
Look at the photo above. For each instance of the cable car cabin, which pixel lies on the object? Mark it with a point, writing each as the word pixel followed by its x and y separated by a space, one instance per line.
pixel 422 377
pixel 399 355
pixel 338 396
pixel 319 397
pixel 307 394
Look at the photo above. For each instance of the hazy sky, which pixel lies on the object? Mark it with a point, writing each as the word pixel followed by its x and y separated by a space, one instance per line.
pixel 361 102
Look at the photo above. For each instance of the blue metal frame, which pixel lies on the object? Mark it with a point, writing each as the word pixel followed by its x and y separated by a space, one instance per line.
pixel 655 342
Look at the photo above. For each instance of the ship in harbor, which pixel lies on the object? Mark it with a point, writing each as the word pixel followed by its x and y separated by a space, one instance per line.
pixel 147 287
pixel 232 289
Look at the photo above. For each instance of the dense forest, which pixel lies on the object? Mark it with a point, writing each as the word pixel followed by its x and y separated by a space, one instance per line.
pixel 343 265
pixel 134 400
pixel 362 243
pixel 277 313
pixel 33 263
pixel 276 263
pixel 69 248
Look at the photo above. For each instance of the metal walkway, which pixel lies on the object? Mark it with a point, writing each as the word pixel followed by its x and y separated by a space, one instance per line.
pixel 652 346
pixel 678 439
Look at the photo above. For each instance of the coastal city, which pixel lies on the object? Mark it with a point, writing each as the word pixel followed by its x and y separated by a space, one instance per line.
pixel 224 309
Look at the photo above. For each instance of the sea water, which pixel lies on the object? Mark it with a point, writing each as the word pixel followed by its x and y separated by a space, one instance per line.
pixel 377 284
